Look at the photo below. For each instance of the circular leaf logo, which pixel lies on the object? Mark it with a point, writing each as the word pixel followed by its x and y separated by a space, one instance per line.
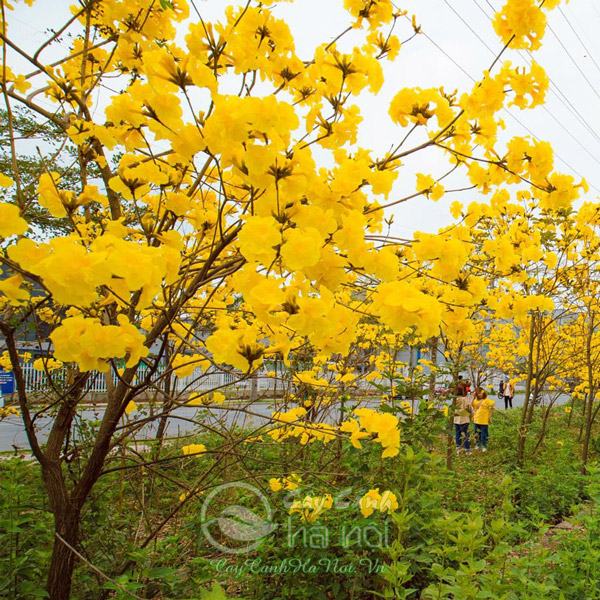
pixel 234 528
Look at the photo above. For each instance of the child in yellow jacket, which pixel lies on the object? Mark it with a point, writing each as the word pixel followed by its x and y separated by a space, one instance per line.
pixel 483 408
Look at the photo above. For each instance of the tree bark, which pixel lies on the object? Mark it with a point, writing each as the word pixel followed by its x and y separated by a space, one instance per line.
pixel 524 415
pixel 589 407
pixel 62 562
pixel 66 524
pixel 433 345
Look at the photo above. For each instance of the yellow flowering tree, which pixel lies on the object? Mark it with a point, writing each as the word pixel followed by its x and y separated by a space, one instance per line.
pixel 225 213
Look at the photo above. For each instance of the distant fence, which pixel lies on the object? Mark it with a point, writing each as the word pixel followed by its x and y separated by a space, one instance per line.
pixel 37 381
pixel 261 383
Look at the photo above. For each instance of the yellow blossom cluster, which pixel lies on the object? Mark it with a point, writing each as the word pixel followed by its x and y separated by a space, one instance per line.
pixel 310 508
pixel 90 344
pixel 382 502
pixel 385 427
pixel 285 483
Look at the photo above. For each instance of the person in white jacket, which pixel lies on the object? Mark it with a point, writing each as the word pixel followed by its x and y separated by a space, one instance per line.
pixel 509 393
pixel 462 418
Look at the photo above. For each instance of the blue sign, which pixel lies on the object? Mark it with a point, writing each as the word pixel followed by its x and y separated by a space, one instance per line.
pixel 7 382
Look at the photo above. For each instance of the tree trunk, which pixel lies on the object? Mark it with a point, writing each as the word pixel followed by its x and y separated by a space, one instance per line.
pixel 583 412
pixel 589 408
pixel 167 401
pixel 570 419
pixel 450 434
pixel 432 375
pixel 66 525
pixel 62 563
pixel 544 430
pixel 524 415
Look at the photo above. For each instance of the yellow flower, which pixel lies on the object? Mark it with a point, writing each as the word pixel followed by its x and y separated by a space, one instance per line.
pixel 427 184
pixel 184 364
pixel 5 180
pixel 406 406
pixel 353 428
pixel 218 397
pixel 311 507
pixel 49 364
pixel 368 503
pixel 292 482
pixel 275 484
pixel 456 209
pixel 11 223
pixel 373 501
pixel 193 449
pixel 388 502
pixel 302 248
pixel 131 407
pixel 258 239
pixel 196 400
pixel 90 344
pixel 52 197
pixel 11 288
pixel 385 425
pixel 522 19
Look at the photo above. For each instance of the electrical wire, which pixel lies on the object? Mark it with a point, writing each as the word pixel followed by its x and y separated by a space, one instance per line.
pixel 556 92
pixel 466 23
pixel 589 53
pixel 564 100
pixel 513 116
pixel 575 63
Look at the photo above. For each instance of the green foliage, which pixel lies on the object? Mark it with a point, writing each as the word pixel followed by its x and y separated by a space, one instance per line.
pixel 25 531
pixel 483 530
pixel 34 140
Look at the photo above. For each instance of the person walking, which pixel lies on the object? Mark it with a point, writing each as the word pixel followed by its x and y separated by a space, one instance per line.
pixel 509 393
pixel 483 408
pixel 462 418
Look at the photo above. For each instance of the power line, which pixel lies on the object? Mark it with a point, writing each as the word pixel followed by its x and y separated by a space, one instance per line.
pixel 589 53
pixel 595 8
pixel 514 117
pixel 555 91
pixel 569 166
pixel 466 23
pixel 564 100
pixel 482 10
pixel 575 63
pixel 457 65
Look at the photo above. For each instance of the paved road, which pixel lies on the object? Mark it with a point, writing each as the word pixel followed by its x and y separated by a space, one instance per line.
pixel 183 420
pixel 181 423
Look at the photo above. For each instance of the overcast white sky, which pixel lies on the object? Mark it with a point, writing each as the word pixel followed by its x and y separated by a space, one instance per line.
pixel 570 120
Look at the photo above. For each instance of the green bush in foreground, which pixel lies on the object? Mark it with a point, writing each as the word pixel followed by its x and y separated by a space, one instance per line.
pixel 483 530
